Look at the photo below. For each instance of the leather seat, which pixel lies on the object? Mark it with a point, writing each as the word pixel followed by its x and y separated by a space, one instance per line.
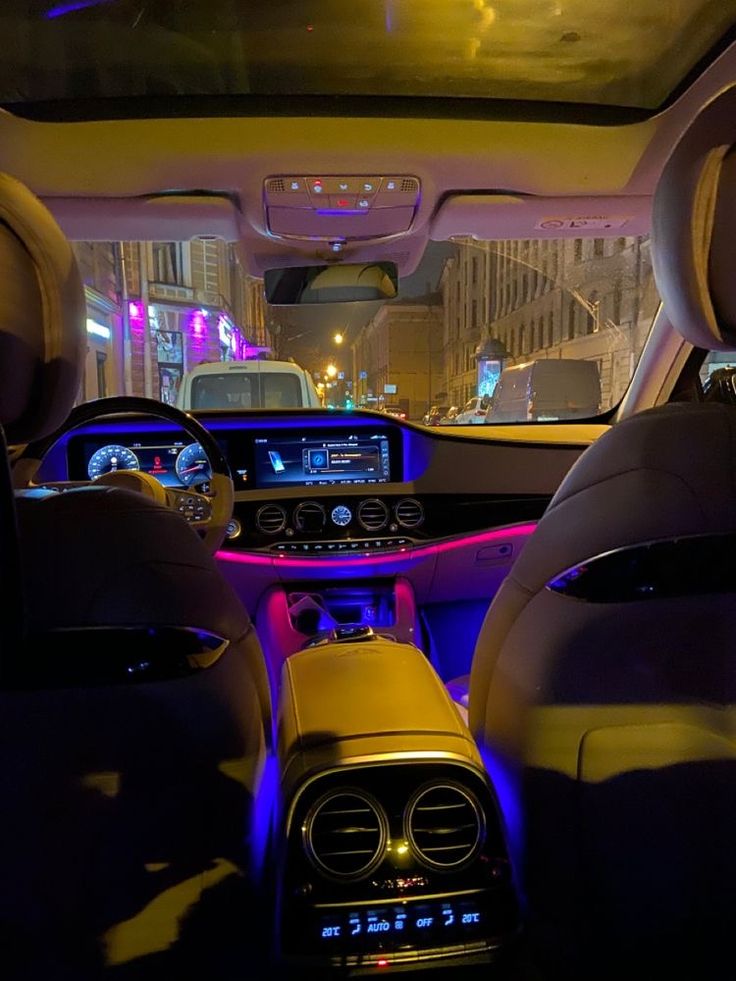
pixel 603 686
pixel 128 824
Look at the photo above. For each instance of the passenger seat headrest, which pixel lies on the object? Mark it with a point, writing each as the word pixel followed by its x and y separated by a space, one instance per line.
pixel 693 228
pixel 42 317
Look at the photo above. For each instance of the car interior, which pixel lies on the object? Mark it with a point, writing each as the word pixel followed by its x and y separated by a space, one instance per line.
pixel 468 716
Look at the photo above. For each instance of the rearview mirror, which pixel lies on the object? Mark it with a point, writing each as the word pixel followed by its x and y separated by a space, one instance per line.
pixel 347 283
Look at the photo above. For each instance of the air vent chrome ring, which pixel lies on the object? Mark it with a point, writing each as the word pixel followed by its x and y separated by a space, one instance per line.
pixel 271 519
pixel 345 834
pixel 445 826
pixel 409 513
pixel 373 514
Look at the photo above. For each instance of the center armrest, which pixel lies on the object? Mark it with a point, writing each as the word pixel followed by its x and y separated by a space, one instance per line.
pixel 372 699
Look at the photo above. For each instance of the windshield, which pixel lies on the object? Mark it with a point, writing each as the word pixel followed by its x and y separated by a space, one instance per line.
pixel 483 332
pixel 580 51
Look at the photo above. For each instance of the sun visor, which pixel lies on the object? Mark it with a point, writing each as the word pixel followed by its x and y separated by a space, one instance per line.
pixel 517 216
pixel 157 218
pixel 693 227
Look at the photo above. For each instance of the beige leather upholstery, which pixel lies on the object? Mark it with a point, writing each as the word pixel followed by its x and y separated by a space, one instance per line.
pixel 125 827
pixel 42 317
pixel 610 726
pixel 692 228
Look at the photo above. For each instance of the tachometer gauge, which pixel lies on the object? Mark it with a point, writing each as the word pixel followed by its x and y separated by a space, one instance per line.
pixel 110 458
pixel 192 465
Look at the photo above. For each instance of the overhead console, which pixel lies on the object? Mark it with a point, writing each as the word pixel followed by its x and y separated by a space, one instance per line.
pixel 338 207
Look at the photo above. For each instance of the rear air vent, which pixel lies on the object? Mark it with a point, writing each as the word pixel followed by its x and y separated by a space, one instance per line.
pixel 373 514
pixel 409 513
pixel 270 519
pixel 345 834
pixel 444 824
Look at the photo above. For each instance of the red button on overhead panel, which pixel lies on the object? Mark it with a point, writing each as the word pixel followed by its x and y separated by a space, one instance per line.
pixel 316 186
pixel 342 202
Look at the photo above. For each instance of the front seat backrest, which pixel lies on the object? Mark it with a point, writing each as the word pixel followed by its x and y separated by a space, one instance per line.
pixel 602 691
pixel 126 805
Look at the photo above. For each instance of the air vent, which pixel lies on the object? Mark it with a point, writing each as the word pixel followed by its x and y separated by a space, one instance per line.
pixel 345 834
pixel 373 514
pixel 409 513
pixel 309 516
pixel 270 519
pixel 409 185
pixel 444 824
pixel 275 186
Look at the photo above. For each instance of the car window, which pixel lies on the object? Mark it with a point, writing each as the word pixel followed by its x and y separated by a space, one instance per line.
pixel 539 330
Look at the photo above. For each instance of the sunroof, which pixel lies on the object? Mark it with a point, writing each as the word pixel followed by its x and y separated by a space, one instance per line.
pixel 595 52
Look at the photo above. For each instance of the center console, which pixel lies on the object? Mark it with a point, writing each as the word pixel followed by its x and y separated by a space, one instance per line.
pixel 391 847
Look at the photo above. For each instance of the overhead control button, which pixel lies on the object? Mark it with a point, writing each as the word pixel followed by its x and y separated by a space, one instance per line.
pixel 342 202
pixel 397 192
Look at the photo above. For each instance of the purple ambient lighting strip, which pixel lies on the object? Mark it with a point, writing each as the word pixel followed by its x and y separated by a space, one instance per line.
pixel 74 5
pixel 367 559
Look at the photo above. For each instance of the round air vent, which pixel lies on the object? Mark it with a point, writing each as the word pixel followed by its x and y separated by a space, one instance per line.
pixel 270 519
pixel 309 516
pixel 445 826
pixel 345 834
pixel 373 514
pixel 409 513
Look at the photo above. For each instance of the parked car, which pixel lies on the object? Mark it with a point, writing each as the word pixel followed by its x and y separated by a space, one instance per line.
pixel 394 410
pixel 450 417
pixel 541 391
pixel 248 385
pixel 474 411
pixel 434 414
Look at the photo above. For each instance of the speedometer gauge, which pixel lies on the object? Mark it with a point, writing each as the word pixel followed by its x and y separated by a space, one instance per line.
pixel 110 458
pixel 192 465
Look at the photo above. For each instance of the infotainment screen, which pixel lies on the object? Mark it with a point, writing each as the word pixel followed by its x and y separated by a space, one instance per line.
pixel 319 459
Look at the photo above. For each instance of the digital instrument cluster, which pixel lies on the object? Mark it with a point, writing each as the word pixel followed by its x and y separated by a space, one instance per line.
pixel 173 464
pixel 259 458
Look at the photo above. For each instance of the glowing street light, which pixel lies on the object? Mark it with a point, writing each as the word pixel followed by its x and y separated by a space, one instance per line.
pixel 338 338
pixel 331 371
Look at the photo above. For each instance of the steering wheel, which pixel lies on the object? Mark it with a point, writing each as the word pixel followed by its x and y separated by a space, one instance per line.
pixel 208 513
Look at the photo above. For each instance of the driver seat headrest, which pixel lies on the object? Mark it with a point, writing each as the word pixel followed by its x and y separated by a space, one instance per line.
pixel 42 317
pixel 693 225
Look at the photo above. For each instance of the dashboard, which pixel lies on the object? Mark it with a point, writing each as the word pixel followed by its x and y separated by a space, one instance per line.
pixel 333 484
pixel 332 497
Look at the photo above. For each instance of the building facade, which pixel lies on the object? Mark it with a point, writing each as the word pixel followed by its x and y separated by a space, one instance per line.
pixel 592 299
pixel 157 309
pixel 398 356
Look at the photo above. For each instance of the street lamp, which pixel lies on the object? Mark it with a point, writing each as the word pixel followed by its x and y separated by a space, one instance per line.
pixel 331 370
pixel 338 338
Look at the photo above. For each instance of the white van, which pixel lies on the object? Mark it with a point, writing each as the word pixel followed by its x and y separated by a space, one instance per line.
pixel 553 389
pixel 248 385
